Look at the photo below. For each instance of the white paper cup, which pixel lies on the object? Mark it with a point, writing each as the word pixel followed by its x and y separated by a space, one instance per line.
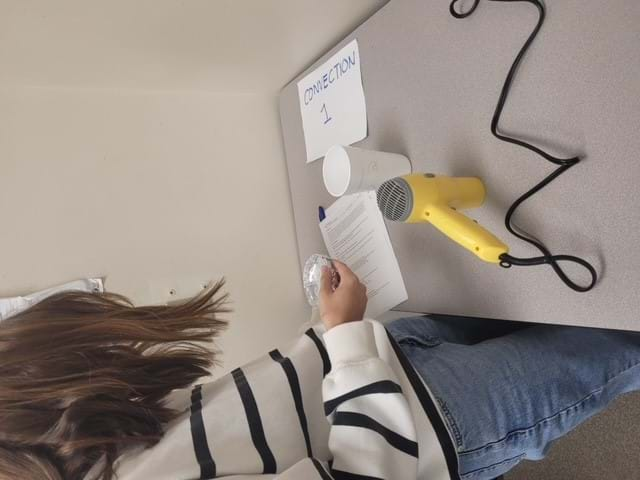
pixel 347 170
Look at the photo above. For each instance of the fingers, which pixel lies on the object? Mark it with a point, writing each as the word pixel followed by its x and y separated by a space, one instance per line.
pixel 346 275
pixel 325 282
pixel 362 291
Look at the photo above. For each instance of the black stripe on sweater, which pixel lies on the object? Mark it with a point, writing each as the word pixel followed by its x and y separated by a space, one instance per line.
pixel 255 422
pixel 294 385
pixel 384 386
pixel 430 409
pixel 321 471
pixel 352 419
pixel 340 475
pixel 199 436
pixel 326 363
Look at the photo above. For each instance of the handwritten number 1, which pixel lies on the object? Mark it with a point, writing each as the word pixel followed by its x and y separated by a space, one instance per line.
pixel 327 117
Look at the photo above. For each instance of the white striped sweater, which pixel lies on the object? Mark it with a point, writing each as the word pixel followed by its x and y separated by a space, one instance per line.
pixel 351 407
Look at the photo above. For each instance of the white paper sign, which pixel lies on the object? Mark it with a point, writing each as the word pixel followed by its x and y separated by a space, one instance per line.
pixel 332 103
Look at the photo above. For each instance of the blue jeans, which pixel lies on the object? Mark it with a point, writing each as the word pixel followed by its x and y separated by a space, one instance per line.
pixel 508 390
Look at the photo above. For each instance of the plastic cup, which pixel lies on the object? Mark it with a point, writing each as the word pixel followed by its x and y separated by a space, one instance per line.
pixel 312 276
pixel 347 170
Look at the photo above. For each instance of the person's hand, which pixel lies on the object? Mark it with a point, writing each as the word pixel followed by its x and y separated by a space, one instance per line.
pixel 347 302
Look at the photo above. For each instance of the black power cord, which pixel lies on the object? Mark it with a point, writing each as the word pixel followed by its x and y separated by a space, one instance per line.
pixel 564 164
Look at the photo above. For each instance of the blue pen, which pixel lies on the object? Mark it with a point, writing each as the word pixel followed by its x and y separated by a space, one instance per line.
pixel 321 213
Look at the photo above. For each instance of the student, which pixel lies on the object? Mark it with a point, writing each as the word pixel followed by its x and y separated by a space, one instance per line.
pixel 91 387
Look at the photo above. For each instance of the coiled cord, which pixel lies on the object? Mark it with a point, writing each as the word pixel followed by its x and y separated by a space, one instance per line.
pixel 564 164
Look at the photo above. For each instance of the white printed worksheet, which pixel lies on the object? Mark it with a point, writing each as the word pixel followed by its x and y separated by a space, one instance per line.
pixel 354 232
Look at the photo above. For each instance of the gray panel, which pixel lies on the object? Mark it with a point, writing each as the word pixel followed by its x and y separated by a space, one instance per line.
pixel 431 84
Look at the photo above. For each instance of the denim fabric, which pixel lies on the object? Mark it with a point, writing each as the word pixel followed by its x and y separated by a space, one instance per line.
pixel 508 390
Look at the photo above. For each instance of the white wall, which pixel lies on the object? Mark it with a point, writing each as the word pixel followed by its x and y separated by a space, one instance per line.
pixel 212 45
pixel 141 141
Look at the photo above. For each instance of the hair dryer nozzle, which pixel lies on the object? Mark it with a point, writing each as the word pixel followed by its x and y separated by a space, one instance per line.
pixel 395 199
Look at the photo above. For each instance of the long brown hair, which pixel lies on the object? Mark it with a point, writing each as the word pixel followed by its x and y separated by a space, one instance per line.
pixel 84 377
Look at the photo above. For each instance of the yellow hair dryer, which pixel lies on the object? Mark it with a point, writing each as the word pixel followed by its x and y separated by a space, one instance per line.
pixel 435 199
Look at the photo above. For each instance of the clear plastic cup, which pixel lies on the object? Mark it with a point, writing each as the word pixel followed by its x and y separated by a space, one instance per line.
pixel 312 275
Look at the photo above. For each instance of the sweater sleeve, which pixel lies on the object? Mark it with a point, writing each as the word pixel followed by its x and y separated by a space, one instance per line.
pixel 309 469
pixel 372 433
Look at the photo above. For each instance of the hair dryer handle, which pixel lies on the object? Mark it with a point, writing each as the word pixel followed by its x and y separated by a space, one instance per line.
pixel 466 232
